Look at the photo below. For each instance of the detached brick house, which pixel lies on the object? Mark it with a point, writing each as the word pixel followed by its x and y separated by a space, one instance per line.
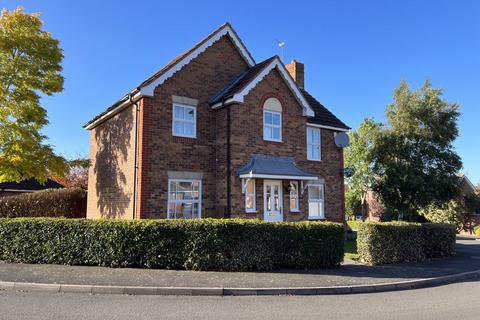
pixel 215 134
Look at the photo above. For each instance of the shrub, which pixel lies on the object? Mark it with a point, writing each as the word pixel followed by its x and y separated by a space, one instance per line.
pixel 68 203
pixel 477 230
pixel 449 212
pixel 394 242
pixel 206 244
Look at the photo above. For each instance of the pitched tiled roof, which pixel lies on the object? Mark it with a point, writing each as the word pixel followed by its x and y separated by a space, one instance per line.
pixel 240 81
pixel 323 116
pixel 30 185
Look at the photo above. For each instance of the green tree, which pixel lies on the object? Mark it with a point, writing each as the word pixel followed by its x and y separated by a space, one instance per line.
pixel 30 65
pixel 358 156
pixel 414 162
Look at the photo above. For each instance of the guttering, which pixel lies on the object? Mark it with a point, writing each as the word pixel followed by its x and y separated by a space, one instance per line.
pixel 327 127
pixel 127 100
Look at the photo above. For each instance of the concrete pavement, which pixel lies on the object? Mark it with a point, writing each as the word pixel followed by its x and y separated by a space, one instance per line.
pixel 454 301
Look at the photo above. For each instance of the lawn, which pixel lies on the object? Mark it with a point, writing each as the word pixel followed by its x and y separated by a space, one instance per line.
pixel 351 249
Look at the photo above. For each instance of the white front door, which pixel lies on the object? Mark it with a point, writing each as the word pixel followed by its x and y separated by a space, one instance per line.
pixel 272 195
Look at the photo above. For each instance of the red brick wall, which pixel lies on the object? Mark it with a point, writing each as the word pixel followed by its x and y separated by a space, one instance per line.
pixel 112 145
pixel 161 152
pixel 110 178
pixel 247 138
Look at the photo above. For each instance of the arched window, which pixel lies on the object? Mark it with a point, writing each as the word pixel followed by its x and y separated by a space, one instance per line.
pixel 272 120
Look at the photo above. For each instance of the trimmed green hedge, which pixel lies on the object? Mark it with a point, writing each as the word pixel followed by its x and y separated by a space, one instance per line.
pixel 203 244
pixel 395 242
pixel 477 231
pixel 67 203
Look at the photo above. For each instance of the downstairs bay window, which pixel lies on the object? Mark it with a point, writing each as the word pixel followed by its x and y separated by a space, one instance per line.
pixel 184 199
pixel 316 204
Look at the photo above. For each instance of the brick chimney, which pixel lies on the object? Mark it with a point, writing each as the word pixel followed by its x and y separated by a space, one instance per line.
pixel 297 71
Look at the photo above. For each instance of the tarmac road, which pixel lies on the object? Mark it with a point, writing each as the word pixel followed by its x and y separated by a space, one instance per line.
pixel 454 301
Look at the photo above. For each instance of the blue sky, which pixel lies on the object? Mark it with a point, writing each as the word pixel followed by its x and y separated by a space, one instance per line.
pixel 355 53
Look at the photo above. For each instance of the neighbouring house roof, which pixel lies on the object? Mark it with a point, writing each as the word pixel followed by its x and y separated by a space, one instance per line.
pixel 467 185
pixel 241 85
pixel 147 87
pixel 323 116
pixel 29 185
pixel 274 167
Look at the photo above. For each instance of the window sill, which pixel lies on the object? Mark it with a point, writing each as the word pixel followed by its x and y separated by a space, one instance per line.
pixel 295 211
pixel 180 136
pixel 279 141
pixel 316 218
pixel 319 160
pixel 251 211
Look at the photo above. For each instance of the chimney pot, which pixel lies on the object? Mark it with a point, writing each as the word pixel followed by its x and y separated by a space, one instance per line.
pixel 297 71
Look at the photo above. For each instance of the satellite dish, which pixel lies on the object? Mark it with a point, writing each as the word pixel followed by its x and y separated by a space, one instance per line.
pixel 342 140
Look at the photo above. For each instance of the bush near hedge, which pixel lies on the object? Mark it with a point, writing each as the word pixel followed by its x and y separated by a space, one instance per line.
pixel 395 242
pixel 68 203
pixel 204 244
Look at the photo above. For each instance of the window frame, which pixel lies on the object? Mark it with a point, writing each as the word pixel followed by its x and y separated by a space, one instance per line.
pixel 297 209
pixel 309 143
pixel 254 195
pixel 272 126
pixel 183 121
pixel 320 201
pixel 199 201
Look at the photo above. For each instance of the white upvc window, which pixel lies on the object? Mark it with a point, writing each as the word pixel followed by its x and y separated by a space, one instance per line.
pixel 250 202
pixel 294 202
pixel 184 121
pixel 184 199
pixel 316 202
pixel 272 126
pixel 314 145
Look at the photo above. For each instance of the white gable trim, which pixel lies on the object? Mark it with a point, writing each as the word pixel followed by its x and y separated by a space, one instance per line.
pixel 226 30
pixel 239 97
pixel 326 127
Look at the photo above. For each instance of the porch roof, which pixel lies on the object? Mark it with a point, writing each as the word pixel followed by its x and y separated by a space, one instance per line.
pixel 273 167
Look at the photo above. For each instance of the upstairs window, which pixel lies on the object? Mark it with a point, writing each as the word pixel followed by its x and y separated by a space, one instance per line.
pixel 313 144
pixel 184 122
pixel 272 120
